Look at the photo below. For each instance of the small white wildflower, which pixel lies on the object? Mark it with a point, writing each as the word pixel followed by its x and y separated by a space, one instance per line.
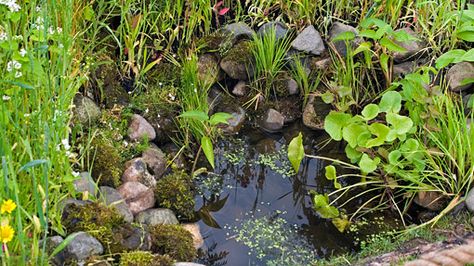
pixel 16 64
pixel 59 30
pixel 61 46
pixel 3 36
pixel 75 174
pixel 17 37
pixel 158 115
pixel 23 52
pixel 26 115
pixel 6 98
pixel 125 143
pixel 68 154
pixel 38 8
pixel 58 147
pixel 65 143
pixel 195 90
pixel 158 126
pixel 171 96
pixel 161 84
pixel 51 30
pixel 146 111
pixel 18 74
pixel 10 66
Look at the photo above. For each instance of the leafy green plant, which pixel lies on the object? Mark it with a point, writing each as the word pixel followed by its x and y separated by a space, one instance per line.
pixel 210 127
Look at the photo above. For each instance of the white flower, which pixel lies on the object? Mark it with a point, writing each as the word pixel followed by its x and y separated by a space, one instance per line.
pixel 146 111
pixel 75 174
pixel 18 74
pixel 16 64
pixel 65 143
pixel 51 30
pixel 23 52
pixel 3 36
pixel 59 30
pixel 38 8
pixel 11 4
pixel 171 96
pixel 161 84
pixel 26 115
pixel 10 66
pixel 13 65
pixel 6 98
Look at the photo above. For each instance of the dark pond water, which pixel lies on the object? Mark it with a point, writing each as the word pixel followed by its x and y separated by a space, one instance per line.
pixel 257 212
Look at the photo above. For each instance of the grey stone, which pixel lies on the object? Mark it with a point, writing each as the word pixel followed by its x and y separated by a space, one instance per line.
pixel 237 120
pixel 470 201
pixel 188 264
pixel 86 110
pixel 292 86
pixel 137 196
pixel 309 41
pixel 272 120
pixel 239 30
pixel 136 170
pixel 237 63
pixel 240 89
pixel 404 68
pixel 156 161
pixel 51 244
pixel 111 197
pixel 135 238
pixel 66 205
pixel 280 29
pixel 85 183
pixel 412 47
pixel 458 74
pixel 340 45
pixel 315 112
pixel 140 129
pixel 82 247
pixel 156 216
pixel 468 102
pixel 322 64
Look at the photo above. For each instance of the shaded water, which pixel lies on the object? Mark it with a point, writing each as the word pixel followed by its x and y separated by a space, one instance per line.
pixel 253 180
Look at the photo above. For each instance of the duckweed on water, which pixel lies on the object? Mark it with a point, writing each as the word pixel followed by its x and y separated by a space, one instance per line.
pixel 277 162
pixel 273 240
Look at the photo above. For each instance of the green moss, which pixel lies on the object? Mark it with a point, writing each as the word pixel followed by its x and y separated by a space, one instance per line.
pixel 102 222
pixel 165 73
pixel 174 241
pixel 241 53
pixel 107 167
pixel 218 41
pixel 175 192
pixel 107 79
pixel 280 84
pixel 144 258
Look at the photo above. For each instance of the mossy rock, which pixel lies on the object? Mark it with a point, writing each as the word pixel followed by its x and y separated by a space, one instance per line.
pixel 175 192
pixel 144 258
pixel 108 227
pixel 109 87
pixel 107 167
pixel 165 73
pixel 238 63
pixel 174 241
pixel 218 42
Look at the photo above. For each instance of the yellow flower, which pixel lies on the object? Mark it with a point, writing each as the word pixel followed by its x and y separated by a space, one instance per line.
pixel 7 206
pixel 6 233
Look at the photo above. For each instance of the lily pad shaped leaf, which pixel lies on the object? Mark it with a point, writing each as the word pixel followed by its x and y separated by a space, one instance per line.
pixel 368 165
pixel 334 123
pixel 321 205
pixel 391 102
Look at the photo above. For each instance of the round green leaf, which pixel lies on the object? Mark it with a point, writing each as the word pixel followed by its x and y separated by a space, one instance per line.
pixel 370 111
pixel 391 102
pixel 334 122
pixel 368 165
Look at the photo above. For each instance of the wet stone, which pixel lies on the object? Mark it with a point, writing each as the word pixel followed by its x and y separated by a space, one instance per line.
pixel 272 121
pixel 236 122
pixel 315 112
pixel 138 197
pixel 240 89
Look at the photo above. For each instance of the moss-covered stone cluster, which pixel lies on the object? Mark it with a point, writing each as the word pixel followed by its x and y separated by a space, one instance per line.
pixel 106 165
pixel 144 258
pixel 175 192
pixel 174 241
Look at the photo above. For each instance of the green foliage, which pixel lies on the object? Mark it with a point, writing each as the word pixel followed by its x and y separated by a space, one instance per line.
pixel 174 192
pixel 321 205
pixel 174 241
pixel 296 152
pixel 144 258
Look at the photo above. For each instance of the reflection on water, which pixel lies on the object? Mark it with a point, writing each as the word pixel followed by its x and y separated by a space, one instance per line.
pixel 254 182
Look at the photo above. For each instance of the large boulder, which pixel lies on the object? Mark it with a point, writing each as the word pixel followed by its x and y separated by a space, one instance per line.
pixel 341 47
pixel 315 112
pixel 86 111
pixel 140 129
pixel 309 41
pixel 138 197
pixel 153 217
pixel 237 63
pixel 280 29
pixel 82 247
pixel 458 75
pixel 239 31
pixel 412 47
